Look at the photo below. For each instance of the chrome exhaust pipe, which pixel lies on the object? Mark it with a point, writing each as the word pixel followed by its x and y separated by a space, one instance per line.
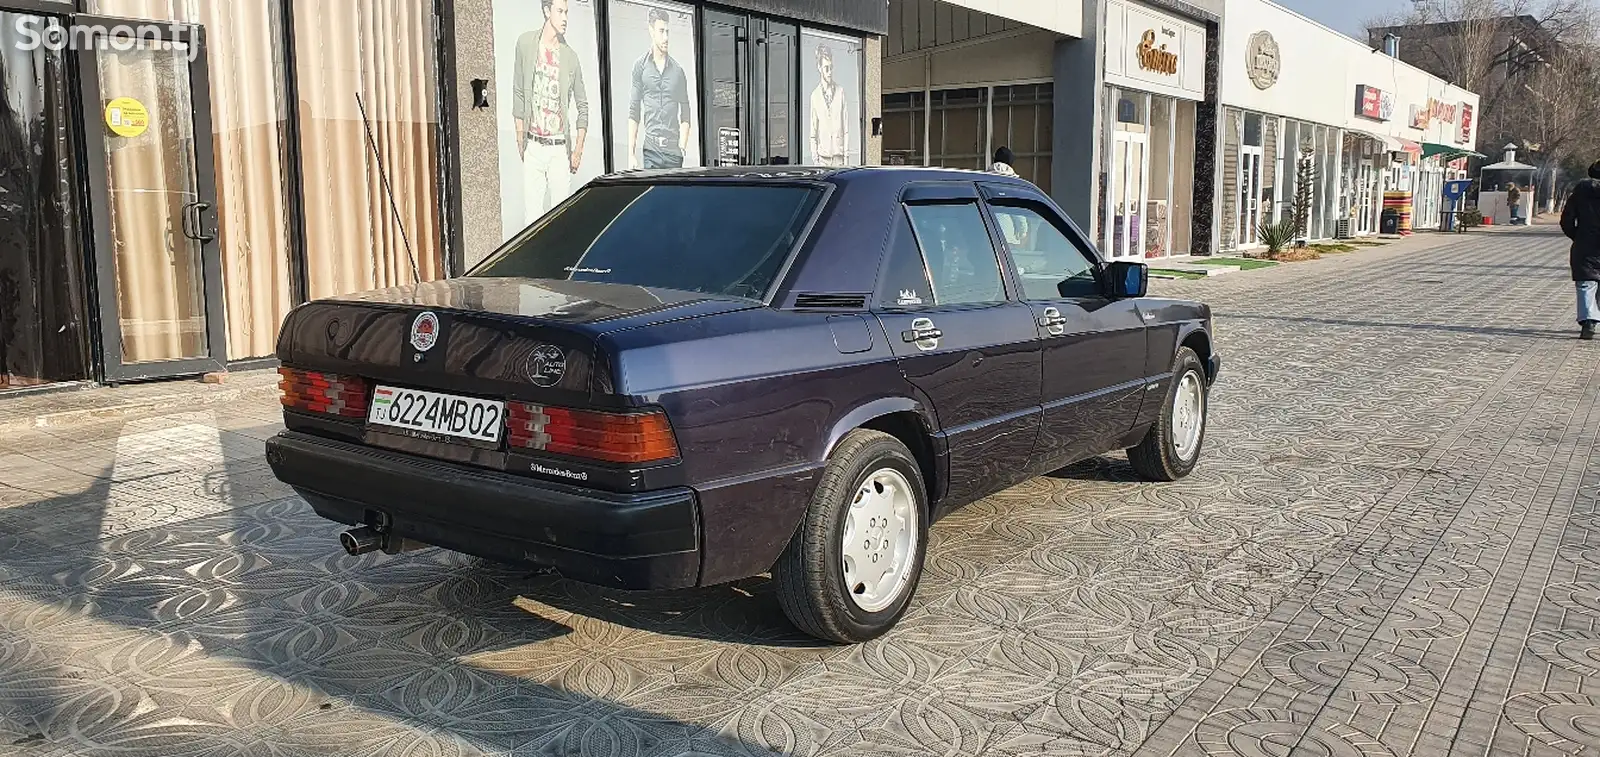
pixel 359 541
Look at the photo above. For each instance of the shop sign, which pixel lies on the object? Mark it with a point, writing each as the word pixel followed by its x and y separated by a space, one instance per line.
pixel 1158 59
pixel 1263 60
pixel 127 117
pixel 1466 123
pixel 1374 103
pixel 1151 51
pixel 1436 110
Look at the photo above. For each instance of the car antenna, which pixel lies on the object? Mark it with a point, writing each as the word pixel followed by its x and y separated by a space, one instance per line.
pixel 416 273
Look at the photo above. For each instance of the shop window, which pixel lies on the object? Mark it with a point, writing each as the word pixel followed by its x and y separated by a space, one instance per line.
pixel 368 127
pixel 1023 117
pixel 1252 129
pixel 902 128
pixel 249 116
pixel 43 322
pixel 958 135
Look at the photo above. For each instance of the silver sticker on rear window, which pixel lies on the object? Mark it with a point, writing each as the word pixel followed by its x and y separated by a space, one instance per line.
pixel 546 365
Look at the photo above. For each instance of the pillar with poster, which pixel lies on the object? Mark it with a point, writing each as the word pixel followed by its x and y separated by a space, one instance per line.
pixel 830 82
pixel 547 63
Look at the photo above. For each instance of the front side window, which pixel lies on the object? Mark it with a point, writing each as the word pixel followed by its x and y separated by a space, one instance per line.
pixel 961 260
pixel 713 239
pixel 1048 263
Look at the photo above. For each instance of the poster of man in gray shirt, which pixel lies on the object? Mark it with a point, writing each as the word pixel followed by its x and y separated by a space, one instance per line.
pixel 659 108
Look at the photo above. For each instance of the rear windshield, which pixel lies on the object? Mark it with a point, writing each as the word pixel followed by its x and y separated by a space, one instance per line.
pixel 715 239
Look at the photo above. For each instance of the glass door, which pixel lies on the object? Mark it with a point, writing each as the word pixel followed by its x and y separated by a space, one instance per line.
pixel 1129 191
pixel 1250 160
pixel 153 194
pixel 753 80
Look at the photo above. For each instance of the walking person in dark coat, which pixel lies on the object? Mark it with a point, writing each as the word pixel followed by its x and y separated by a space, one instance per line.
pixel 1581 222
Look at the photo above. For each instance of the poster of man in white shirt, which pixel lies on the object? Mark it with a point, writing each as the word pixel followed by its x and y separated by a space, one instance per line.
pixel 830 75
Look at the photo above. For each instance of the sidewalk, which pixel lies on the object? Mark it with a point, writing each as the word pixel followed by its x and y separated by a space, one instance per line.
pixel 50 409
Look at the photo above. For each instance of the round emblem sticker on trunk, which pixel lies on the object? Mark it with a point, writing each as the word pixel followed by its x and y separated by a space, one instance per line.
pixel 546 365
pixel 425 332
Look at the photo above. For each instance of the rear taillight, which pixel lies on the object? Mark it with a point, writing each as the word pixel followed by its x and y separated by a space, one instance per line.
pixel 314 392
pixel 612 437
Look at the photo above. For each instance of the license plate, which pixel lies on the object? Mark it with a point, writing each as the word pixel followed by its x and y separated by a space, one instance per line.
pixel 433 413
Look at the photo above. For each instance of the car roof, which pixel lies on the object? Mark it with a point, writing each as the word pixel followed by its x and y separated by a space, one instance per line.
pixel 781 174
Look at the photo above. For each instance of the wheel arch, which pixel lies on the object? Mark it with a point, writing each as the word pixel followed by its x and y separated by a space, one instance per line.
pixel 1196 338
pixel 902 418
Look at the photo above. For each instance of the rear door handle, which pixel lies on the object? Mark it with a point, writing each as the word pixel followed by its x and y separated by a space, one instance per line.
pixel 923 334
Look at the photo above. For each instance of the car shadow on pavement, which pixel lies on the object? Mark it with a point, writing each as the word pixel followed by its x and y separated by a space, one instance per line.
pixel 1104 469
pixel 196 609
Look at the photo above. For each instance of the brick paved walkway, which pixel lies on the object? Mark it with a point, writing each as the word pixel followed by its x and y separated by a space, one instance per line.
pixel 1392 547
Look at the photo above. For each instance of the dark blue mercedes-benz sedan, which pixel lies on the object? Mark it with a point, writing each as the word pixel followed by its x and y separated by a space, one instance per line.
pixel 686 378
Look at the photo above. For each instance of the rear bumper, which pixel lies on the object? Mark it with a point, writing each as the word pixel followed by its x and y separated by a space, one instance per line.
pixel 629 541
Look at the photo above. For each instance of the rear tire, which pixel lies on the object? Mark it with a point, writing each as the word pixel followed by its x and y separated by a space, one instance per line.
pixel 817 587
pixel 1172 448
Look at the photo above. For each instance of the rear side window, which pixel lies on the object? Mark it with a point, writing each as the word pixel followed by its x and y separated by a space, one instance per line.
pixel 905 275
pixel 961 261
pixel 714 239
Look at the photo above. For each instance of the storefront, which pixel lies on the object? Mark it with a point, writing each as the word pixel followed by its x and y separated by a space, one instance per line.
pixel 186 171
pixel 577 88
pixel 1319 125
pixel 960 83
pixel 1155 77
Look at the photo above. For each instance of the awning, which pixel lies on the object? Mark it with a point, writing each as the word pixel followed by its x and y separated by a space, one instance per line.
pixel 1415 148
pixel 1449 152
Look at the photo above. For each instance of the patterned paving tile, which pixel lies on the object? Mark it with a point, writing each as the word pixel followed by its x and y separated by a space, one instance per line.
pixel 1391 549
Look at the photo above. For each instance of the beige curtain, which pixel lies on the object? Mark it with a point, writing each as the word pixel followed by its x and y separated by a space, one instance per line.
pixel 358 235
pixel 248 122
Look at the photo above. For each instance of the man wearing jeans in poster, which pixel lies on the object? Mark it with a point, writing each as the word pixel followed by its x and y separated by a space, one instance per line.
pixel 546 78
pixel 658 113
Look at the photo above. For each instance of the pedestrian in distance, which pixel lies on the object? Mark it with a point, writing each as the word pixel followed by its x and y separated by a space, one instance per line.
pixel 1580 221
pixel 1002 162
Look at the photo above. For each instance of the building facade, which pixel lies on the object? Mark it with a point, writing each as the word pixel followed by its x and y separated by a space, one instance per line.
pixel 1353 132
pixel 187 171
pixel 1141 76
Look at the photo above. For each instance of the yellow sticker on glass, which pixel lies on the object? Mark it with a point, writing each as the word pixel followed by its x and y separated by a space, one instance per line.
pixel 127 117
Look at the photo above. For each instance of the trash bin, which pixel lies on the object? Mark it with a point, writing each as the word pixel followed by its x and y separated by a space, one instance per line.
pixel 1389 223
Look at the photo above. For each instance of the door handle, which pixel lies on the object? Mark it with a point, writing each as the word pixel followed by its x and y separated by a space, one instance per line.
pixel 1053 321
pixel 923 334
pixel 194 222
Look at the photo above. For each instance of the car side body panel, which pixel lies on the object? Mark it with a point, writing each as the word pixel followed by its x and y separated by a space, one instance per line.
pixel 757 397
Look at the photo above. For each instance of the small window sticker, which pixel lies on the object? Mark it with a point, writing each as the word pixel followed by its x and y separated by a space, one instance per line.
pixel 909 297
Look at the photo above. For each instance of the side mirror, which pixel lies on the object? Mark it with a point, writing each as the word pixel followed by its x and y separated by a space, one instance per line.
pixel 1127 280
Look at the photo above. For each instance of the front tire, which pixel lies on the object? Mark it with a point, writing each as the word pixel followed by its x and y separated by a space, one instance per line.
pixel 851 568
pixel 1172 448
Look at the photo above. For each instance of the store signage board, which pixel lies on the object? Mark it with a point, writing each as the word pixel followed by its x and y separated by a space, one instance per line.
pixel 1373 103
pixel 1465 136
pixel 1152 51
pixel 1263 59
